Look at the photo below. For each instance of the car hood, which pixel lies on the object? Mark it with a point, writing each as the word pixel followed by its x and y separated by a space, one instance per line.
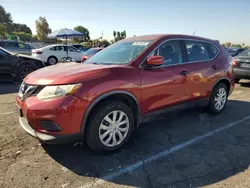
pixel 66 73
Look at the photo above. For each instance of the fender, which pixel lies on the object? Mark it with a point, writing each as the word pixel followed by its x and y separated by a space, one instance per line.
pixel 217 81
pixel 98 99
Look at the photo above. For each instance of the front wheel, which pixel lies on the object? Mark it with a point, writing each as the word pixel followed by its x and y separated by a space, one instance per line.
pixel 110 126
pixel 218 99
pixel 23 71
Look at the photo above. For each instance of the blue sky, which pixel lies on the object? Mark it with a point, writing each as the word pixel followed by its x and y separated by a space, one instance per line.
pixel 223 20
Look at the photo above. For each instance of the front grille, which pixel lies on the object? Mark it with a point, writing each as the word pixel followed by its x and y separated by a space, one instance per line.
pixel 27 90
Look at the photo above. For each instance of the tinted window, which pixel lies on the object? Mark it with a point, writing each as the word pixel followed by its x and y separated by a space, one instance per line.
pixel 11 44
pixel 2 44
pixel 3 54
pixel 196 51
pixel 245 53
pixel 171 53
pixel 214 50
pixel 58 48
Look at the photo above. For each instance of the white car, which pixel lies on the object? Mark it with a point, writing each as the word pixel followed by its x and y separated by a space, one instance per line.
pixel 57 52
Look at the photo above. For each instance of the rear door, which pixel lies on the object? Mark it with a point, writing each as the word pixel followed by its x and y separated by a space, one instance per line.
pixel 59 52
pixel 201 67
pixel 164 86
pixel 75 53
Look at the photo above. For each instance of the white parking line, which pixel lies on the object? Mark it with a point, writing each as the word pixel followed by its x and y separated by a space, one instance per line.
pixel 6 113
pixel 161 154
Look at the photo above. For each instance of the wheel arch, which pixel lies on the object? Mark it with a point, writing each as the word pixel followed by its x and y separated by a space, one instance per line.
pixel 224 80
pixel 120 95
pixel 50 57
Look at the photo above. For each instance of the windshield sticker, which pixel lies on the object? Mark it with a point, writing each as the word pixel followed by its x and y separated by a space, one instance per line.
pixel 140 43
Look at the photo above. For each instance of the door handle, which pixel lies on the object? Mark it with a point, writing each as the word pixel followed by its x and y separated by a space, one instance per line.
pixel 214 67
pixel 184 73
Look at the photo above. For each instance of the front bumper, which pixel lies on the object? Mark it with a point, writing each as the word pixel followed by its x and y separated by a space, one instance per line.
pixel 65 112
pixel 241 73
pixel 51 139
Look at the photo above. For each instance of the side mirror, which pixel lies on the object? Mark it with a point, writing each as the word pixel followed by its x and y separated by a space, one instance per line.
pixel 155 60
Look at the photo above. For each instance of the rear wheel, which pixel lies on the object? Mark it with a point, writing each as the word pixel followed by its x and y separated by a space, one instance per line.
pixel 110 126
pixel 52 60
pixel 218 99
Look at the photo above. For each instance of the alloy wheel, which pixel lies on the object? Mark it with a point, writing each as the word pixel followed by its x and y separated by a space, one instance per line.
pixel 114 128
pixel 25 71
pixel 220 98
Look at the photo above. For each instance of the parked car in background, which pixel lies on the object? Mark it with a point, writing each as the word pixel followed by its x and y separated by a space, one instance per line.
pixel 16 47
pixel 16 67
pixel 52 54
pixel 80 47
pixel 89 53
pixel 241 66
pixel 234 51
pixel 105 99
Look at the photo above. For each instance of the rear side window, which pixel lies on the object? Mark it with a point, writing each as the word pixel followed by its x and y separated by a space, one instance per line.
pixel 2 44
pixel 197 51
pixel 58 48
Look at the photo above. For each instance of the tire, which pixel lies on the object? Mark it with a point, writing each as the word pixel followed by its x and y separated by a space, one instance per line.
pixel 94 129
pixel 213 106
pixel 236 80
pixel 52 60
pixel 23 71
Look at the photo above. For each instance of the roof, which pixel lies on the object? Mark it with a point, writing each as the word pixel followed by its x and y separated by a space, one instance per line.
pixel 159 36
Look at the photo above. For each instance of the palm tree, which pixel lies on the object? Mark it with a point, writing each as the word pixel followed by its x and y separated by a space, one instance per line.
pixel 114 33
pixel 118 35
pixel 125 34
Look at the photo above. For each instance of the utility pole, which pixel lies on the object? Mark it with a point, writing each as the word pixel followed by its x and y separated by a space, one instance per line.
pixel 194 33
pixel 102 34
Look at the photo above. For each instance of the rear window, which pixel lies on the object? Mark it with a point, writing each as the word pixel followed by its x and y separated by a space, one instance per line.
pixel 91 51
pixel 245 53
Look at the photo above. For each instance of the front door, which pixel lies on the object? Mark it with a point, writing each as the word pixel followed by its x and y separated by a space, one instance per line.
pixel 166 85
pixel 74 53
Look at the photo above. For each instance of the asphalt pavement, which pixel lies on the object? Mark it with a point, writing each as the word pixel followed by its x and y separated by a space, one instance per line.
pixel 186 149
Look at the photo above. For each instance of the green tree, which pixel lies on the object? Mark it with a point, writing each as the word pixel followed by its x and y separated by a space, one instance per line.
pixel 42 28
pixel 85 32
pixel 114 34
pixel 5 20
pixel 223 45
pixel 16 27
pixel 23 36
pixel 2 31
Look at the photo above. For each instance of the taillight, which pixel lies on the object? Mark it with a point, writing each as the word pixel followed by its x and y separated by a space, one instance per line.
pixel 37 52
pixel 235 63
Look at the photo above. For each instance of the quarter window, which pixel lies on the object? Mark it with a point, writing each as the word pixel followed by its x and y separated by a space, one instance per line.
pixel 171 53
pixel 214 50
pixel 196 51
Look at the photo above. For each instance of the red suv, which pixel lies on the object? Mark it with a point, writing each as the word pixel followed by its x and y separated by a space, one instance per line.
pixel 103 100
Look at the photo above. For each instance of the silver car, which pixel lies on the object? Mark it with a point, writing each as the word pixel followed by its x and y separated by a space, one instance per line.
pixel 16 47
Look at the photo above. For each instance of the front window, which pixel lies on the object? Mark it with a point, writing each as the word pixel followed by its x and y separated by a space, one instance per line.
pixel 119 53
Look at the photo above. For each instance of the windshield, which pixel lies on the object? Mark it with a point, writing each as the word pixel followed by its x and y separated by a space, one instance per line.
pixel 119 53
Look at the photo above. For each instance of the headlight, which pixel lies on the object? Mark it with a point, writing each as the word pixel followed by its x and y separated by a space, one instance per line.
pixel 51 92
